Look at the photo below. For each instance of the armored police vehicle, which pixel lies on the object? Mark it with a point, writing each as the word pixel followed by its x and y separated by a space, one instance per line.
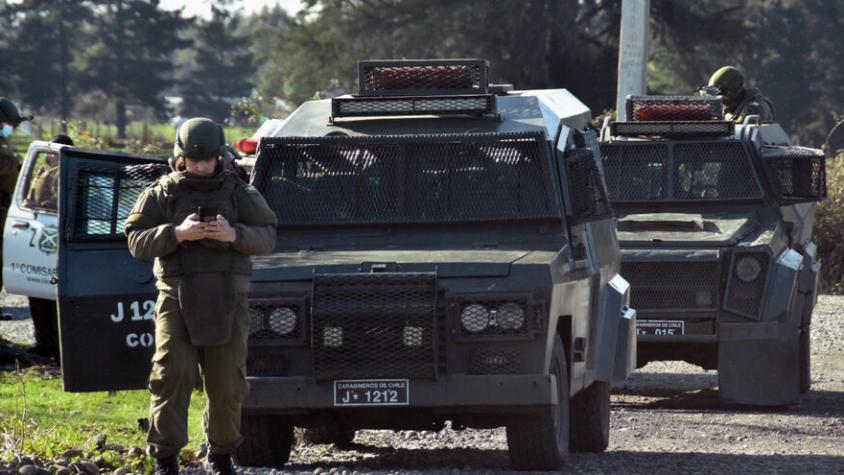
pixel 446 252
pixel 715 224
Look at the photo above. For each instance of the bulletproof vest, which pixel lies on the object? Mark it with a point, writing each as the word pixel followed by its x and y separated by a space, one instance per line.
pixel 206 256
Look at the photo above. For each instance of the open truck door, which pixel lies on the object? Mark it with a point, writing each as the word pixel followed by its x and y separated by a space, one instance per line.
pixel 106 297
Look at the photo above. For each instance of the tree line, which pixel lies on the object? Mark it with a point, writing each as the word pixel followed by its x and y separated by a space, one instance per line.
pixel 75 57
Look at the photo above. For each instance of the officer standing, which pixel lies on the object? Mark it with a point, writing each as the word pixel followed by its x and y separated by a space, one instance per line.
pixel 739 101
pixel 10 117
pixel 200 223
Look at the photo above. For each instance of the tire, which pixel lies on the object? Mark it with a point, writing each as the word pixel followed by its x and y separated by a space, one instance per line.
pixel 805 360
pixel 541 441
pixel 45 322
pixel 267 441
pixel 590 419
pixel 328 434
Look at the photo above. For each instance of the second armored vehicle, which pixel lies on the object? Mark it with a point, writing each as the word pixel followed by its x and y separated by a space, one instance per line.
pixel 715 224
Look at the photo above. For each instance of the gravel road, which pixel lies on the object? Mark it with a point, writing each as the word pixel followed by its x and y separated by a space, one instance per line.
pixel 665 420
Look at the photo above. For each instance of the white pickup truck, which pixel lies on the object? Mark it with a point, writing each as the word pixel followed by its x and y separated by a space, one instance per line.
pixel 30 238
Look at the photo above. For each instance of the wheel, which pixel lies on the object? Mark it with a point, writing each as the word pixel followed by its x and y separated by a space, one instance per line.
pixel 590 419
pixel 805 360
pixel 45 324
pixel 541 441
pixel 267 440
pixel 328 434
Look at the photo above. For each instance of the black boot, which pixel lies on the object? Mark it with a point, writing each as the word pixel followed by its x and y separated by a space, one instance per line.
pixel 167 465
pixel 220 464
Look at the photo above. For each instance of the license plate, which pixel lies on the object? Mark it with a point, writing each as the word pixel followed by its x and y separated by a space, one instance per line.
pixel 660 327
pixel 371 392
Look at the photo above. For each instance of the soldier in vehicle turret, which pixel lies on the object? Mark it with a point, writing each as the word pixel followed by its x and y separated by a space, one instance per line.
pixel 740 101
pixel 202 269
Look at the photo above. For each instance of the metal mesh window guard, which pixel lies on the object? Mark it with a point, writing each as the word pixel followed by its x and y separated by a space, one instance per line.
pixel 588 195
pixel 106 195
pixel 679 171
pixel 797 172
pixel 407 179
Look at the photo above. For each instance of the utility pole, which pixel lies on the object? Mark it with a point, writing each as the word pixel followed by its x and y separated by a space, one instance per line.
pixel 633 50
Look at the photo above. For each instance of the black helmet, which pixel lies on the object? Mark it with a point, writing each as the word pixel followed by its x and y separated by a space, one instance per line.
pixel 62 139
pixel 200 139
pixel 9 113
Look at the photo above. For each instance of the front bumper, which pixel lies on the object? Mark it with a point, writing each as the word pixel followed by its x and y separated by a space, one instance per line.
pixel 298 395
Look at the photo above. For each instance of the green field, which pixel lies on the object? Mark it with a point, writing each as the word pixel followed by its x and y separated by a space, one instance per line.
pixel 152 139
pixel 38 418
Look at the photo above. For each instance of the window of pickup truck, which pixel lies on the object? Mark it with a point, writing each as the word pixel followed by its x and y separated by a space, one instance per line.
pixel 41 186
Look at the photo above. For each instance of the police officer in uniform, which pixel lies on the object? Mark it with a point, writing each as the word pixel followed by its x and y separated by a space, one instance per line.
pixel 43 195
pixel 10 117
pixel 44 191
pixel 200 223
pixel 739 101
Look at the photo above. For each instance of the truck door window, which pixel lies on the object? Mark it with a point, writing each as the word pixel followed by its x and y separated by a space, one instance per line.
pixel 40 189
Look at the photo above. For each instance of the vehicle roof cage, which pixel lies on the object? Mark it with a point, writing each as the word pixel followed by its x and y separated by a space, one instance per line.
pixel 674 116
pixel 419 87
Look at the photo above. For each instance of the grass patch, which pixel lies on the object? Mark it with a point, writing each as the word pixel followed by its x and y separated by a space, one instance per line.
pixel 38 418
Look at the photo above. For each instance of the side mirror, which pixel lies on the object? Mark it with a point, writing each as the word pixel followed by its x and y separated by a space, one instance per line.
pixel 797 173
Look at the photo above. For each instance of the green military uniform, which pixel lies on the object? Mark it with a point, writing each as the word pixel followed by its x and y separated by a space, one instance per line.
pixel 752 102
pixel 9 169
pixel 189 275
pixel 740 101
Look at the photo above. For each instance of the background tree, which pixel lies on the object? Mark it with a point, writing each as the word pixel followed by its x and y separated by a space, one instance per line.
pixel 221 68
pixel 131 59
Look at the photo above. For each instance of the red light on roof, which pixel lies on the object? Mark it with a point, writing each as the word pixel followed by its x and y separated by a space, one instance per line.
pixel 421 77
pixel 247 145
pixel 672 112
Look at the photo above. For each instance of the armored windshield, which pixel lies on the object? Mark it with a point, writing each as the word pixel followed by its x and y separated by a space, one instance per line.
pixel 408 179
pixel 679 171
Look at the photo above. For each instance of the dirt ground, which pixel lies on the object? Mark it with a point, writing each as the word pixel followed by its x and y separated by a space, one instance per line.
pixel 665 420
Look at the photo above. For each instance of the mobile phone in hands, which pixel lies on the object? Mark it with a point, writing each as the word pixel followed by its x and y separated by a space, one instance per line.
pixel 207 213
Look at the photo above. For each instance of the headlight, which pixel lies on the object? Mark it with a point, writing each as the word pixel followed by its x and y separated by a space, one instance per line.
pixel 510 316
pixel 475 318
pixel 748 269
pixel 256 321
pixel 332 337
pixel 283 320
pixel 412 336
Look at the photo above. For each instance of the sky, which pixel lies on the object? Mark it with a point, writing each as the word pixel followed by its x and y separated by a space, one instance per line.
pixel 202 8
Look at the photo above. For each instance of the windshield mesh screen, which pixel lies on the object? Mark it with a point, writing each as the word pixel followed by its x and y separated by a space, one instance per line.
pixel 105 196
pixel 407 179
pixel 679 171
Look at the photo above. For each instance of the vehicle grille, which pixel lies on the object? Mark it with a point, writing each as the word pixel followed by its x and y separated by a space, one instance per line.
pixel 673 285
pixel 374 325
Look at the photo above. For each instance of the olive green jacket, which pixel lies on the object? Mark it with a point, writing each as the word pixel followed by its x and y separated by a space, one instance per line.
pixel 150 227
pixel 9 169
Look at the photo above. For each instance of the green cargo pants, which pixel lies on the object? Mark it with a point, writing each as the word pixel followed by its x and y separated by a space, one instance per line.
pixel 173 377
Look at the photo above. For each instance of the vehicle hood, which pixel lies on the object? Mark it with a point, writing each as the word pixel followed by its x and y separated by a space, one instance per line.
pixel 446 263
pixel 685 228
